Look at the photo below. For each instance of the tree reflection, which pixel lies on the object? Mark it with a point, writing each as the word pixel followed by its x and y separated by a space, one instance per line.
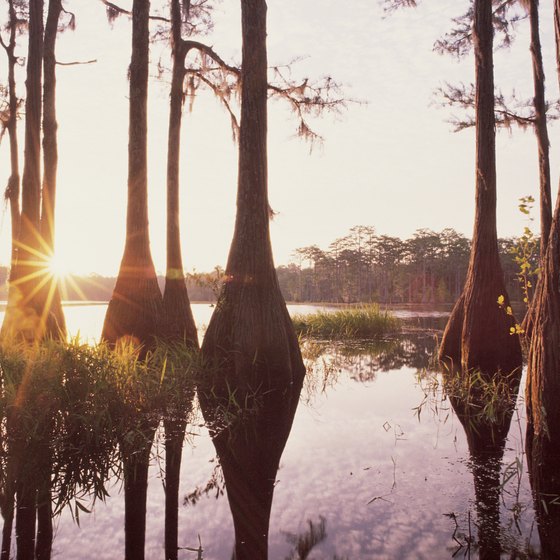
pixel 73 418
pixel 485 411
pixel 249 429
pixel 363 359
pixel 544 475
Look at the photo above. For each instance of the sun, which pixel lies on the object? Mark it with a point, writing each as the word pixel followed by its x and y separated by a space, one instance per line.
pixel 58 267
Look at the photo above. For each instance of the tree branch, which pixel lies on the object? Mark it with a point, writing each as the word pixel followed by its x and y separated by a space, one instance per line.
pixel 117 10
pixel 76 63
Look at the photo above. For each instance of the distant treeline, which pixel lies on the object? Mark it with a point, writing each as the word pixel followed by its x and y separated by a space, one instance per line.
pixel 429 267
pixel 201 286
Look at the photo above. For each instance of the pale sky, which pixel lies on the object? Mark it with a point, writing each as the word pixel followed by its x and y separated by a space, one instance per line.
pixel 391 162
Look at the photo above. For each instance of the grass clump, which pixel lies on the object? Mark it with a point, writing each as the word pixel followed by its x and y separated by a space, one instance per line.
pixel 367 321
pixel 66 407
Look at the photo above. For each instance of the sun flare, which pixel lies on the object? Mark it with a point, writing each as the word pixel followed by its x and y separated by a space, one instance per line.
pixel 58 267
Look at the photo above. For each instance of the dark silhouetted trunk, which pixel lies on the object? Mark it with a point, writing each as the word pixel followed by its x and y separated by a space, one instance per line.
pixel 544 475
pixel 174 437
pixel 177 320
pixel 12 195
pixel 251 334
pixel 50 295
pixel 250 345
pixel 543 361
pixel 541 131
pixel 23 315
pixel 135 452
pixel 478 332
pixel 135 307
pixel 13 187
pixel 8 508
pixel 25 521
pixel 43 547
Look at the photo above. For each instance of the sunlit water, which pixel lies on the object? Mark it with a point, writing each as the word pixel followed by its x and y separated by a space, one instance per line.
pixel 372 450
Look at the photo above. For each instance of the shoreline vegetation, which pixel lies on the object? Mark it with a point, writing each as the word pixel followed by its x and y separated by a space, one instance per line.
pixel 428 268
pixel 363 322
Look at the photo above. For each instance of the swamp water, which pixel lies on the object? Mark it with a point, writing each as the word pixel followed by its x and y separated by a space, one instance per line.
pixel 377 461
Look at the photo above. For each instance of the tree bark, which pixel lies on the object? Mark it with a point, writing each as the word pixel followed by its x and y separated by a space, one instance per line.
pixel 543 382
pixel 50 295
pixel 177 320
pixel 13 187
pixel 135 307
pixel 23 316
pixel 541 131
pixel 484 342
pixel 250 345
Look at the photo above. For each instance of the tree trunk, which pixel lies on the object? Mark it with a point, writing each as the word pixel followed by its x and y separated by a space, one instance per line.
pixel 541 131
pixel 544 358
pixel 135 451
pixel 135 307
pixel 23 316
pixel 543 382
pixel 13 187
pixel 478 332
pixel 543 385
pixel 174 437
pixel 25 521
pixel 50 295
pixel 250 344
pixel 177 321
pixel 45 535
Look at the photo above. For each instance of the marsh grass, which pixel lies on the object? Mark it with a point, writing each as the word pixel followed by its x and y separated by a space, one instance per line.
pixel 365 322
pixel 486 400
pixel 72 404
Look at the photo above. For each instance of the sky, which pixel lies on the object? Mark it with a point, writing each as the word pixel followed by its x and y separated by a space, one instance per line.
pixel 389 160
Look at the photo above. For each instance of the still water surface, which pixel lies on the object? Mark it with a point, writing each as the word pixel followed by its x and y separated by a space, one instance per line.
pixel 375 450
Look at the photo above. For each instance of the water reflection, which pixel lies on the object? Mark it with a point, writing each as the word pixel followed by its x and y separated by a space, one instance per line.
pixel 249 430
pixel 485 414
pixel 544 470
pixel 338 463
pixel 364 359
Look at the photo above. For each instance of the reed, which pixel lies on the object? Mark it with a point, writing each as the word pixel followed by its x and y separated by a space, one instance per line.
pixel 364 322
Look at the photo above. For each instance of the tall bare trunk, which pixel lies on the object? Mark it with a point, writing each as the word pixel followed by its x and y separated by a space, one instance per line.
pixel 135 306
pixel 478 332
pixel 541 131
pixel 543 382
pixel 13 188
pixel 250 342
pixel 24 316
pixel 177 320
pixel 50 295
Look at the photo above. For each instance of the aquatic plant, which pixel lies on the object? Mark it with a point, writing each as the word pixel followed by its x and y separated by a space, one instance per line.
pixel 487 399
pixel 366 321
pixel 90 397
